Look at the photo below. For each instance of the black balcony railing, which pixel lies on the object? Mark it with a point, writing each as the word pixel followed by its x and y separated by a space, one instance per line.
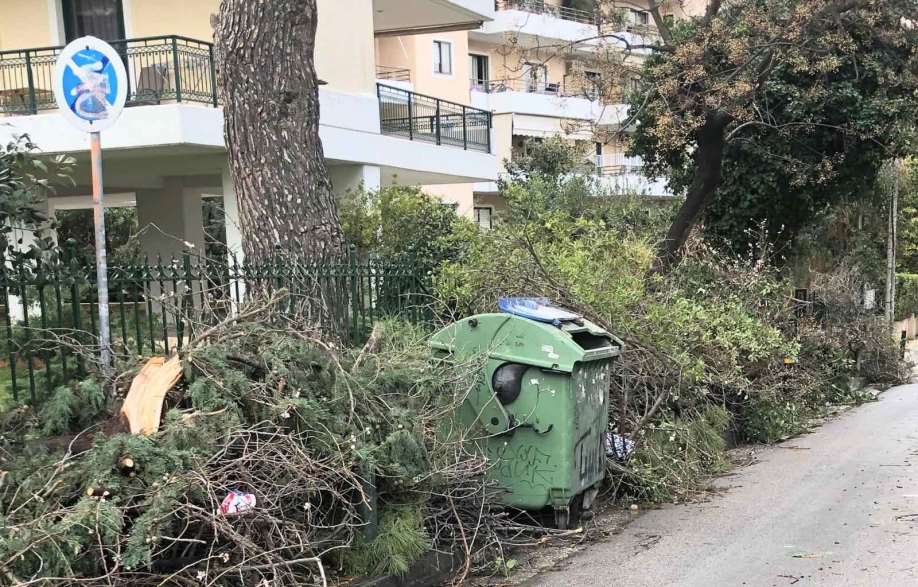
pixel 423 118
pixel 160 69
pixel 542 7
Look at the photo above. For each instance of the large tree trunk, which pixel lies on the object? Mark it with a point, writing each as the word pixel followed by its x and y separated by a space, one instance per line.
pixel 711 143
pixel 264 54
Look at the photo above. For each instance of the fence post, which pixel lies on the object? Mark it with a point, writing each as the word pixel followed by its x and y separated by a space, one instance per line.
pixel 413 290
pixel 177 73
pixel 213 74
pixel 410 118
pixel 438 122
pixel 31 82
pixel 4 277
pixel 355 303
pixel 73 266
pixel 279 268
pixel 279 265
pixel 465 130
pixel 182 306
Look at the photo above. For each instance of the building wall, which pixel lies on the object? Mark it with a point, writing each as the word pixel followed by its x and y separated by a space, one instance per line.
pixel 153 18
pixel 345 48
pixel 344 54
pixel 394 52
pixel 453 87
pixel 459 194
pixel 503 144
pixel 344 42
pixel 25 23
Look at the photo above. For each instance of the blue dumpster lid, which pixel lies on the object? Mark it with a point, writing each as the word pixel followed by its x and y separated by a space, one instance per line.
pixel 538 309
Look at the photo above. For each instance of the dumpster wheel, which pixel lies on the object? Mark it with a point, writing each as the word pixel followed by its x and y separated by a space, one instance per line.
pixel 562 517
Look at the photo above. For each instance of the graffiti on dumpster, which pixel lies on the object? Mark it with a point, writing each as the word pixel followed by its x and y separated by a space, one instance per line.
pixel 527 463
pixel 590 457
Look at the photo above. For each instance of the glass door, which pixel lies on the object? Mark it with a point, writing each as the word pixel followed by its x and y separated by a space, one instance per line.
pixel 100 18
pixel 478 71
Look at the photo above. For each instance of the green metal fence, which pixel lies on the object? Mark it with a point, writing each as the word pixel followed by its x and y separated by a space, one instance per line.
pixel 157 307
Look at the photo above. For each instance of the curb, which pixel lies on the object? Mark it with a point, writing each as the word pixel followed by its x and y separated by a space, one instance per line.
pixel 431 569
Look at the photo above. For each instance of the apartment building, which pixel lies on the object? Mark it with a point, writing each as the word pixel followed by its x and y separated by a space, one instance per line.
pixel 533 64
pixel 167 151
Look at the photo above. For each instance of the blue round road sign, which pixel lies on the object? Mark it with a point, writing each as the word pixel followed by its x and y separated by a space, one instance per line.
pixel 90 84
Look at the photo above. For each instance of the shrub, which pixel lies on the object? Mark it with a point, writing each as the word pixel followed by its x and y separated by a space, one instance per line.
pixel 402 220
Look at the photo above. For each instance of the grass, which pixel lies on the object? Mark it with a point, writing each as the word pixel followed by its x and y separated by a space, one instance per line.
pixel 6 388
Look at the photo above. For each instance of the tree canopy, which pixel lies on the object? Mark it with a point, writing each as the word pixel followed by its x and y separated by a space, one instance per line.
pixel 794 87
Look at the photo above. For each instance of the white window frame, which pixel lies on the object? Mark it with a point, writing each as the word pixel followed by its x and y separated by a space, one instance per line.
pixel 490 210
pixel 438 45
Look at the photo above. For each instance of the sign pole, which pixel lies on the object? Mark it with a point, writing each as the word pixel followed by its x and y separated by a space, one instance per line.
pixel 98 212
pixel 90 87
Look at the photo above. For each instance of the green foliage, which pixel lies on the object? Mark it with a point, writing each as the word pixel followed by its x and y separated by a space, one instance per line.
pixel 399 220
pixel 907 228
pixel 712 345
pixel 771 421
pixel 259 409
pixel 675 456
pixel 552 157
pixel 71 407
pixel 26 180
pixel 121 239
pixel 906 295
pixel 400 540
pixel 806 123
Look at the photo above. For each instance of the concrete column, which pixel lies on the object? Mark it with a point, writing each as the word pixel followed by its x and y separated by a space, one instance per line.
pixel 346 178
pixel 231 214
pixel 170 221
pixel 233 238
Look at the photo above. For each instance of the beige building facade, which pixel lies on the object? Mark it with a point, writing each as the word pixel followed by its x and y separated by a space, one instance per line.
pixel 166 152
pixel 533 66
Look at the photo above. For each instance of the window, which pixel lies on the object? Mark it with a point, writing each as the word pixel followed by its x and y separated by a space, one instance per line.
pixel 478 70
pixel 669 19
pixel 100 18
pixel 535 77
pixel 483 217
pixel 593 87
pixel 640 18
pixel 443 57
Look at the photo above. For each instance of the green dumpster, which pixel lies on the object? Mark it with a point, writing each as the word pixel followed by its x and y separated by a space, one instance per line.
pixel 543 400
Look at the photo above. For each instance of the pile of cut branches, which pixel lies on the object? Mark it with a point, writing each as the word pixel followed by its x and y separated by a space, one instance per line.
pixel 350 456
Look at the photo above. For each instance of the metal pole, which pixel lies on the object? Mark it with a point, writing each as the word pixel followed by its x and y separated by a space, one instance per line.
pixel 98 208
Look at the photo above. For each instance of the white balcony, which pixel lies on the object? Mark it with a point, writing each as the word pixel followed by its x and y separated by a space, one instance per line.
pixel 615 174
pixel 575 106
pixel 618 163
pixel 532 22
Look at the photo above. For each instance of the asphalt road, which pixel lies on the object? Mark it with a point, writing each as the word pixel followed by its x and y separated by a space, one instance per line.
pixel 837 507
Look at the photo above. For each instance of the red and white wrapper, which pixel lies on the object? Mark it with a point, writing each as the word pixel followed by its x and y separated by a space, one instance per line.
pixel 237 502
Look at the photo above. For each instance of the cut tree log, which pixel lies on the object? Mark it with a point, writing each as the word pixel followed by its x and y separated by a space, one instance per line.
pixel 143 406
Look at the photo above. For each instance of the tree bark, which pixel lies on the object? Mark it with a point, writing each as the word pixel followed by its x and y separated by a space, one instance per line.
pixel 711 143
pixel 891 246
pixel 267 80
